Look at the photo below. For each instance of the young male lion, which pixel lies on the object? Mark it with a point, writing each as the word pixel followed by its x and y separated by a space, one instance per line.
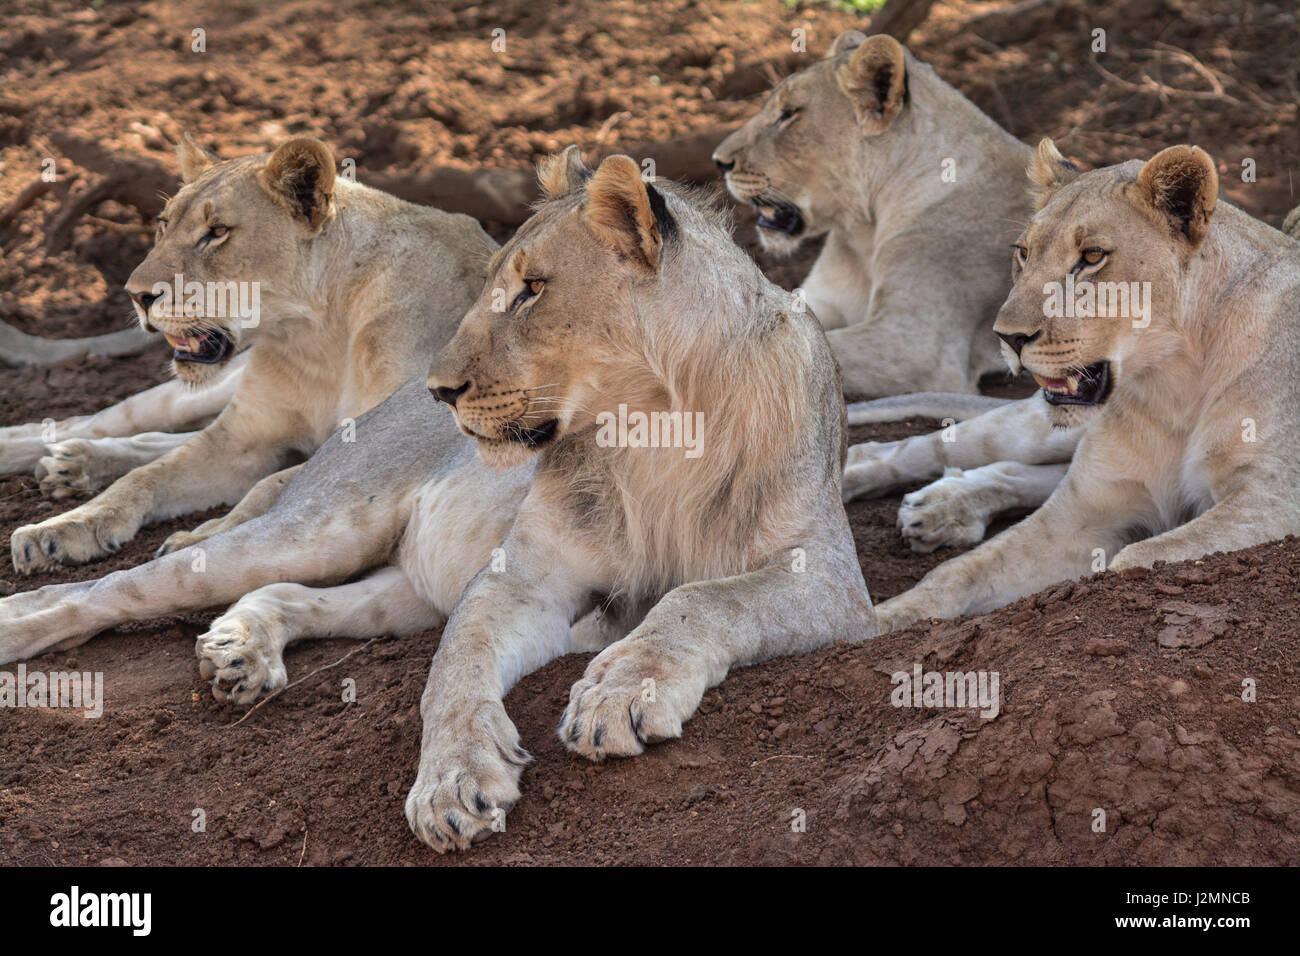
pixel 1186 404
pixel 618 298
pixel 355 291
pixel 919 196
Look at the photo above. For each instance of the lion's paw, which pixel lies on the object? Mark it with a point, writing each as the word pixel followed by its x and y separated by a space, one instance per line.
pixel 73 538
pixel 620 705
pixel 73 467
pixel 179 541
pixel 243 658
pixel 867 473
pixel 948 513
pixel 468 779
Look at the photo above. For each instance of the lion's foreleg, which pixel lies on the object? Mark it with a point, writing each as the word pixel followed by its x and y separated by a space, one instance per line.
pixel 956 510
pixel 242 654
pixel 506 625
pixel 1066 538
pixel 164 408
pixel 643 688
pixel 1247 517
pixel 1018 432
pixel 214 467
pixel 88 464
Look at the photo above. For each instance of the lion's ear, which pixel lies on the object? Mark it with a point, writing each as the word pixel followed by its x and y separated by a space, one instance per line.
pixel 620 211
pixel 846 41
pixel 1048 171
pixel 300 177
pixel 562 173
pixel 1181 184
pixel 875 80
pixel 193 158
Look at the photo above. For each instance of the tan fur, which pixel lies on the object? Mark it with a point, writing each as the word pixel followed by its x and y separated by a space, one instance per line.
pixel 1195 450
pixel 674 568
pixel 612 303
pixel 919 195
pixel 357 290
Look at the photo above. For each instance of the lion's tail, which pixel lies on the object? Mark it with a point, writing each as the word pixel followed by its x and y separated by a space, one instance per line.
pixel 936 405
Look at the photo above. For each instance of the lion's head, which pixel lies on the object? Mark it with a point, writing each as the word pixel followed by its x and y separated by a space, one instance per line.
pixel 533 357
pixel 1096 273
pixel 799 159
pixel 232 242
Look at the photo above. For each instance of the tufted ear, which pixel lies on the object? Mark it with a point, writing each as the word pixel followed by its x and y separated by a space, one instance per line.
pixel 300 177
pixel 562 173
pixel 1048 171
pixel 875 79
pixel 846 41
pixel 193 158
pixel 621 211
pixel 1180 183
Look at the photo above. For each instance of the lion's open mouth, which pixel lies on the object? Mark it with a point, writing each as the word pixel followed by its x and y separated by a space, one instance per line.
pixel 515 433
pixel 1089 387
pixel 205 346
pixel 778 215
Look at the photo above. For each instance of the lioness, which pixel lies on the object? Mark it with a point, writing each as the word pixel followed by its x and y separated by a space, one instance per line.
pixel 919 196
pixel 616 295
pixel 357 290
pixel 1187 412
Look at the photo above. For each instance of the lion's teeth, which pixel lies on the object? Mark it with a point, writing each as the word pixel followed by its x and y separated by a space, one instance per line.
pixel 1073 382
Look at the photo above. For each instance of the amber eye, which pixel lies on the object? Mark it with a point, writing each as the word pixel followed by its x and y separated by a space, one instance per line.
pixel 1093 256
pixel 1022 254
pixel 217 231
pixel 532 288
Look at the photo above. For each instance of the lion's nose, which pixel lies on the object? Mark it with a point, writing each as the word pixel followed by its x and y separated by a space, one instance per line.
pixel 724 165
pixel 1018 340
pixel 144 299
pixel 444 393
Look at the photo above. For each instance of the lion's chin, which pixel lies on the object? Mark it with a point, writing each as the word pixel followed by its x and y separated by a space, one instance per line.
pixel 197 374
pixel 1070 416
pixel 504 454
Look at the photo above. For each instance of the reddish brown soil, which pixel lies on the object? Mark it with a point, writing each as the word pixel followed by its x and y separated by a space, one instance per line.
pixel 1159 739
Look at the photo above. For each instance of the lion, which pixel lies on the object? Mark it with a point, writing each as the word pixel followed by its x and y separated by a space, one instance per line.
pixel 526 510
pixel 1183 406
pixel 342 292
pixel 918 194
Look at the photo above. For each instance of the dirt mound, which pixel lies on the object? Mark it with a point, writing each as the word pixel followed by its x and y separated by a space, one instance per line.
pixel 1096 713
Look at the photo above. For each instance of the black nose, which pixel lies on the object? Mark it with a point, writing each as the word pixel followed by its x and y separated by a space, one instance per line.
pixel 449 395
pixel 723 165
pixel 145 299
pixel 1018 340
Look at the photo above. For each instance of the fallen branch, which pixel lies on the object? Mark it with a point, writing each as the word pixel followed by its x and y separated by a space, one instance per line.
pixel 30 193
pixel 266 700
pixel 899 18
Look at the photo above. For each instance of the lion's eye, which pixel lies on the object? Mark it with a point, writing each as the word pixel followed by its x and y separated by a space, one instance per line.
pixel 532 288
pixel 1022 254
pixel 1093 256
pixel 786 115
pixel 213 234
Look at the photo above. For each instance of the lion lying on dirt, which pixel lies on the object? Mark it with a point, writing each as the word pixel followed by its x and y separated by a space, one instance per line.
pixel 615 296
pixel 356 290
pixel 1184 409
pixel 919 195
